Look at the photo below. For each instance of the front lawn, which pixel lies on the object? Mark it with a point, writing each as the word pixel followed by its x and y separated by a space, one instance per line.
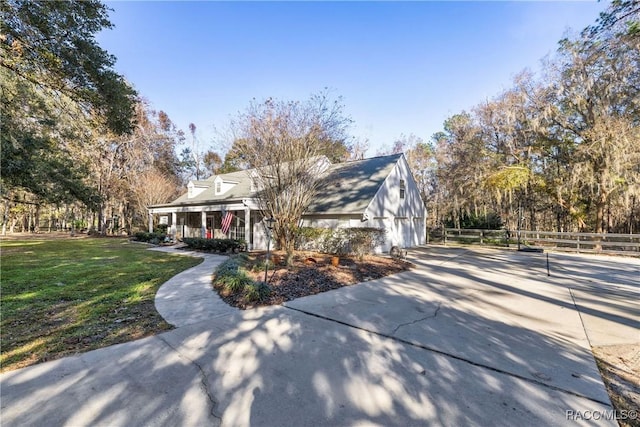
pixel 61 297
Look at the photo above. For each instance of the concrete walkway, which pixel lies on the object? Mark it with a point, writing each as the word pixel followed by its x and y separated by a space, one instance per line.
pixel 188 297
pixel 469 338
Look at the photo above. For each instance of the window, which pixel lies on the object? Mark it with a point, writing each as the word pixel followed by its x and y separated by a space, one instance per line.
pixel 402 188
pixel 218 187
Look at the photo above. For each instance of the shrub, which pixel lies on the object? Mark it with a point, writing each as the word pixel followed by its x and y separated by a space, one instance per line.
pixel 363 241
pixel 260 265
pixel 242 258
pixel 154 238
pixel 255 292
pixel 336 242
pixel 308 238
pixel 231 277
pixel 236 282
pixel 215 245
pixel 228 267
pixel 341 241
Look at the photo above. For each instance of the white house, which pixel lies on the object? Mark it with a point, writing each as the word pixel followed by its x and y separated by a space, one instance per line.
pixel 378 192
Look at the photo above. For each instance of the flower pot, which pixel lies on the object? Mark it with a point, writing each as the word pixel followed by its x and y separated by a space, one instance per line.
pixel 335 261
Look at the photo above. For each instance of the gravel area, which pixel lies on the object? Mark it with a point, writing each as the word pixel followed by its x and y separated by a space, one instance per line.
pixel 620 369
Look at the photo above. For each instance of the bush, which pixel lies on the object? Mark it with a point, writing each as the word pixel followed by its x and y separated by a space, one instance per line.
pixel 232 278
pixel 256 292
pixel 235 283
pixel 230 266
pixel 215 245
pixel 261 265
pixel 363 241
pixel 154 238
pixel 308 238
pixel 229 276
pixel 341 241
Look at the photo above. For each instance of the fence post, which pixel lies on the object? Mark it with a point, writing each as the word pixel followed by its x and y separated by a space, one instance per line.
pixel 444 234
pixel 481 236
pixel 578 245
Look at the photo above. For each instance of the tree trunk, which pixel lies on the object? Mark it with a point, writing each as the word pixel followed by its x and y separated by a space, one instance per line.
pixel 36 219
pixel 601 205
pixel 5 217
pixel 101 222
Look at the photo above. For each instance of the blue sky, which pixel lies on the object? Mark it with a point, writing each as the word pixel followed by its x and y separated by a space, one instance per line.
pixel 401 67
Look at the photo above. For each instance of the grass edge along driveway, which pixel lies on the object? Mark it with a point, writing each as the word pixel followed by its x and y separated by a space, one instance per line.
pixel 62 297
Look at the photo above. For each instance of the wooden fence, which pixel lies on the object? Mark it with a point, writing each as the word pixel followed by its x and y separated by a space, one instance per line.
pixel 615 244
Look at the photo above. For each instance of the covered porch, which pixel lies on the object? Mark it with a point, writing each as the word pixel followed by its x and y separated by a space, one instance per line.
pixel 206 222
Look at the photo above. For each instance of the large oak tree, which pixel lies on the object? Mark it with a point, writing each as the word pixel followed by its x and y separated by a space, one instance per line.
pixel 57 85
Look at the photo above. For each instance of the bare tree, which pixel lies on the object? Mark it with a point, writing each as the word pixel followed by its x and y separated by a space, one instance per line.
pixel 120 164
pixel 358 148
pixel 153 187
pixel 284 142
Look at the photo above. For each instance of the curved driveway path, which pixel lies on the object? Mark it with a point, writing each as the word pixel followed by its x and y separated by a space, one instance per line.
pixel 187 297
pixel 470 337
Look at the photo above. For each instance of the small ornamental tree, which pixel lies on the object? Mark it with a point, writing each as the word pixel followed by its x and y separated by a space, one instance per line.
pixel 284 142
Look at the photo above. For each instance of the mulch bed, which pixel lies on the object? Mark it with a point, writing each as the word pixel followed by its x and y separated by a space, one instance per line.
pixel 312 273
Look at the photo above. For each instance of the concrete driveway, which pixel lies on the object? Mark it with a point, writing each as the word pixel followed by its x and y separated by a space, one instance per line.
pixel 467 338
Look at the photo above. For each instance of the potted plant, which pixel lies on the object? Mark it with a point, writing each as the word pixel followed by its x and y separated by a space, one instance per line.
pixel 338 249
pixel 335 260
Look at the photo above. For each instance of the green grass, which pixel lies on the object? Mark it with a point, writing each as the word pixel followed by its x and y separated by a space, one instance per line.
pixel 61 297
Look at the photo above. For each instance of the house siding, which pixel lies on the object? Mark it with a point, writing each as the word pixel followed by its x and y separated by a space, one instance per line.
pixel 404 219
pixel 332 221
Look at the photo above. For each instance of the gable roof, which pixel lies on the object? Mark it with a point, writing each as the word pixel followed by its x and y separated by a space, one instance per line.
pixel 346 188
pixel 239 191
pixel 349 187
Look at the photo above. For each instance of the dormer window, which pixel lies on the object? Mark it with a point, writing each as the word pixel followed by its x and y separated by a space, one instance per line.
pixel 222 184
pixel 194 188
pixel 402 188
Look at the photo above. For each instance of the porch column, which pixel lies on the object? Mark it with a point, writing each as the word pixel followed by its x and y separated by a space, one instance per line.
pixel 174 223
pixel 203 224
pixel 150 222
pixel 247 227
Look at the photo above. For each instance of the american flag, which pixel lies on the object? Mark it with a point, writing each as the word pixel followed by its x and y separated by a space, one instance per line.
pixel 226 222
